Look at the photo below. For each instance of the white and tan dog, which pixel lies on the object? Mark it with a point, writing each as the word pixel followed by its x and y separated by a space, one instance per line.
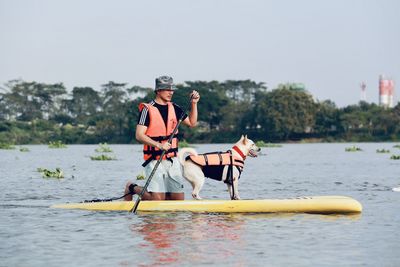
pixel 217 165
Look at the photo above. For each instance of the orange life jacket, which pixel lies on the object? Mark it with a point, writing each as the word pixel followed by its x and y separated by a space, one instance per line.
pixel 213 163
pixel 216 158
pixel 158 131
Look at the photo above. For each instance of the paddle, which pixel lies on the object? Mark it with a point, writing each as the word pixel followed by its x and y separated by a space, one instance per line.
pixel 144 189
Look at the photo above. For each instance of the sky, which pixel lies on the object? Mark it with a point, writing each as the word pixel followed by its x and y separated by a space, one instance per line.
pixel 330 46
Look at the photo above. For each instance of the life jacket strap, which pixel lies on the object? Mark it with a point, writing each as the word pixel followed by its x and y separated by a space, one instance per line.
pixel 205 158
pixel 239 161
pixel 163 138
pixel 228 180
pixel 220 158
pixel 147 161
pixel 155 153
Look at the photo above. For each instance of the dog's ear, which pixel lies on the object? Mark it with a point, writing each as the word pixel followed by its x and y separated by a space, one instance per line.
pixel 241 138
pixel 245 140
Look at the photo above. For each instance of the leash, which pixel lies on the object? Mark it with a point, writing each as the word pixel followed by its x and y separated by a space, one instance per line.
pixel 105 199
pixel 144 189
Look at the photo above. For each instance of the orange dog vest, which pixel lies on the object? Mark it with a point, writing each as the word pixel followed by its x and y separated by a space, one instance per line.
pixel 214 163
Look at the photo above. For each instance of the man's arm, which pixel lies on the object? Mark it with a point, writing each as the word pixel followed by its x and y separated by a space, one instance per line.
pixel 144 139
pixel 191 120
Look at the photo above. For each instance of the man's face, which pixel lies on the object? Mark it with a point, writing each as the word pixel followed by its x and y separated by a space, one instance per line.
pixel 165 95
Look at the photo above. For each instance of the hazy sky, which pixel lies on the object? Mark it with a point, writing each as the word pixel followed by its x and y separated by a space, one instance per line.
pixel 330 46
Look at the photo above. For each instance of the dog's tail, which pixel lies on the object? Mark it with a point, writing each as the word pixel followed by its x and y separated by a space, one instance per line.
pixel 186 150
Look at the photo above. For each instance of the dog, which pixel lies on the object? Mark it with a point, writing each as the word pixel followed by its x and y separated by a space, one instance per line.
pixel 222 166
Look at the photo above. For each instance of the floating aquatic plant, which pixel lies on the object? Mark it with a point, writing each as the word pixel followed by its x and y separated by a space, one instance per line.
pixel 352 149
pixel 24 149
pixel 184 143
pixel 396 146
pixel 104 148
pixel 102 157
pixel 57 144
pixel 395 157
pixel 263 144
pixel 6 146
pixel 140 176
pixel 58 173
pixel 382 151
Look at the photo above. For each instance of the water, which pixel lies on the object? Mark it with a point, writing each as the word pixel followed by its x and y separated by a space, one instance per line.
pixel 32 234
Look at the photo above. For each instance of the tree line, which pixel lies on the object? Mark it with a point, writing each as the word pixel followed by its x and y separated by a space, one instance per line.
pixel 34 113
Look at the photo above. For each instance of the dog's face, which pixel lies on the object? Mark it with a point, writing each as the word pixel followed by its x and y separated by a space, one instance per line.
pixel 248 147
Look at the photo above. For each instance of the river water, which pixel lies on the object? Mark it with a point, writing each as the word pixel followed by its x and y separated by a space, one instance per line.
pixel 33 234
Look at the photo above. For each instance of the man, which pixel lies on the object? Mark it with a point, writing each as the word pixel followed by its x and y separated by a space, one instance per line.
pixel 157 120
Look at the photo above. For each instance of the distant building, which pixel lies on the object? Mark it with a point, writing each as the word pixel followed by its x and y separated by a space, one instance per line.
pixel 386 92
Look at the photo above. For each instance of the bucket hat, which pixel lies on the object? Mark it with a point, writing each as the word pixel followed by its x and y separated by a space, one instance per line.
pixel 165 83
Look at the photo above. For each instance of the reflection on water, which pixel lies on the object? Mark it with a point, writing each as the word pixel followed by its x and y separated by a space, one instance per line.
pixel 329 217
pixel 220 239
pixel 169 238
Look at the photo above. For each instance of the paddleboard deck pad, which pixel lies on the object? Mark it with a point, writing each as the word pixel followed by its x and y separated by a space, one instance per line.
pixel 313 204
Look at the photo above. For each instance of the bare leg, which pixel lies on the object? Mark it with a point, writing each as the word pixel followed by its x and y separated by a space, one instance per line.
pixel 146 196
pixel 175 196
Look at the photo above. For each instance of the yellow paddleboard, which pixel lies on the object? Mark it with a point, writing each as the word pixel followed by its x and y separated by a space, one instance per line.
pixel 315 204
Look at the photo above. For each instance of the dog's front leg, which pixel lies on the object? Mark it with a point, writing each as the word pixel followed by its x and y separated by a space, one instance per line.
pixel 234 194
pixel 236 188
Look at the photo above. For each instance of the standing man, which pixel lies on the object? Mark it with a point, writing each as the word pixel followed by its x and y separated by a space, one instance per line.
pixel 157 121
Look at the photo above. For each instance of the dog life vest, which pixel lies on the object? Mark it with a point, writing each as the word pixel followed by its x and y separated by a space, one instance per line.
pixel 213 163
pixel 158 131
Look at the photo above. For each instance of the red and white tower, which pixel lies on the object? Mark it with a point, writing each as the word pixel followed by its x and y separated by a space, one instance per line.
pixel 386 92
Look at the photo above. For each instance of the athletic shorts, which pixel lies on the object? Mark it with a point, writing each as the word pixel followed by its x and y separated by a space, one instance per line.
pixel 167 178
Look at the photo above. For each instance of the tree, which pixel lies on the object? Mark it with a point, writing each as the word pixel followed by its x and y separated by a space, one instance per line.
pixel 114 96
pixel 242 90
pixel 27 101
pixel 85 104
pixel 213 100
pixel 49 97
pixel 283 113
pixel 326 118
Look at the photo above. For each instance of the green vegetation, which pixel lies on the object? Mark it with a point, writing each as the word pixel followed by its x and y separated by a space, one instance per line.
pixel 184 143
pixel 104 148
pixel 395 157
pixel 263 144
pixel 6 146
pixel 352 149
pixel 382 151
pixel 36 113
pixel 102 157
pixel 58 173
pixel 396 146
pixel 24 149
pixel 57 144
pixel 140 176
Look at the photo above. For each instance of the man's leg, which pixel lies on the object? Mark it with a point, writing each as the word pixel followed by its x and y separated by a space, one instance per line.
pixel 174 181
pixel 175 196
pixel 135 189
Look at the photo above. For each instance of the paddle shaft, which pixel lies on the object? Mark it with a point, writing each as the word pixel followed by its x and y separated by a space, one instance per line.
pixel 144 189
pixel 230 170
